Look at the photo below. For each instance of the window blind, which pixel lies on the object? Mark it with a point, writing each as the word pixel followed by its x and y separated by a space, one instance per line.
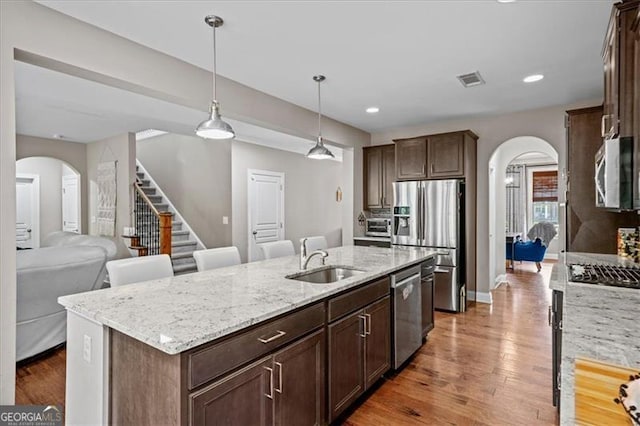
pixel 545 186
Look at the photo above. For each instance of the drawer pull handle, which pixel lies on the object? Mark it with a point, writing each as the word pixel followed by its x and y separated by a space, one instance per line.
pixel 368 323
pixel 279 388
pixel 270 394
pixel 364 326
pixel 276 336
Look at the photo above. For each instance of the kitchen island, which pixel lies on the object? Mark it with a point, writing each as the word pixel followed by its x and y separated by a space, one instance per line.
pixel 169 351
pixel 597 322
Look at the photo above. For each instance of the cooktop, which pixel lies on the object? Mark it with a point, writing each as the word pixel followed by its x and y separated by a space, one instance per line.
pixel 610 275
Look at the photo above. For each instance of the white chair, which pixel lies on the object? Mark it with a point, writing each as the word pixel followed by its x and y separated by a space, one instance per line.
pixel 315 243
pixel 277 249
pixel 137 269
pixel 216 258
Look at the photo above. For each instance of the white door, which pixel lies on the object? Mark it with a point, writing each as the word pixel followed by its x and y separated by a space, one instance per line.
pixel 70 203
pixel 27 211
pixel 266 210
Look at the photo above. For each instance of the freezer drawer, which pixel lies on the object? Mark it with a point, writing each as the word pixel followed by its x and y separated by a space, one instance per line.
pixel 449 296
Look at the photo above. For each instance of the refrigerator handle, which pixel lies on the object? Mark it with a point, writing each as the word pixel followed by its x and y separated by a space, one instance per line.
pixel 419 215
pixel 423 214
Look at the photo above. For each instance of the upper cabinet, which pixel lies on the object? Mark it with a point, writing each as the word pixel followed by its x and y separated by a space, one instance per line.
pixel 411 158
pixel 379 175
pixel 441 156
pixel 621 72
pixel 636 73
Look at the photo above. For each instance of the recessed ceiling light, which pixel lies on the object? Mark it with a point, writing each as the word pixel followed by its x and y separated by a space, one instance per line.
pixel 58 136
pixel 506 1
pixel 533 78
pixel 373 110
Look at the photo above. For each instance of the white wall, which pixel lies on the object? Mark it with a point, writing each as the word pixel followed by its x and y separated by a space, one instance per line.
pixel 50 172
pixel 123 150
pixel 545 123
pixel 196 176
pixel 310 193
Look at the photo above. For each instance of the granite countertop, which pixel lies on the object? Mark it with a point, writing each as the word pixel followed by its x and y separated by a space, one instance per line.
pixel 382 239
pixel 179 313
pixel 599 322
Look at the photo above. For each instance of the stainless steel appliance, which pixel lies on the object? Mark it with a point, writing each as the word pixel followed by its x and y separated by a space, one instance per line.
pixel 608 275
pixel 407 314
pixel 428 214
pixel 428 268
pixel 614 174
pixel 378 227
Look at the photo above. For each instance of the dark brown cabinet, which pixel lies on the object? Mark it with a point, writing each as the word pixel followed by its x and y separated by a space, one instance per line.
pixel 359 352
pixel 378 341
pixel 379 175
pixel 411 158
pixel 427 304
pixel 299 382
pixel 239 399
pixel 589 228
pixel 446 155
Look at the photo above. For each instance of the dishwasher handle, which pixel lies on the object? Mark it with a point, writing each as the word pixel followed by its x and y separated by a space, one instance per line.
pixel 413 278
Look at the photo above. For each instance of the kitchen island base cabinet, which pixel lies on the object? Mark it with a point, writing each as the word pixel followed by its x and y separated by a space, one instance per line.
pixel 359 353
pixel 240 399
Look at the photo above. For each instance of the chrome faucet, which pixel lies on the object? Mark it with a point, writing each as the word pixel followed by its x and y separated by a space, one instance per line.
pixel 304 259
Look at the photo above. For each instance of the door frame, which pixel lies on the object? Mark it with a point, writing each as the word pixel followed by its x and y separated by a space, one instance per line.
pixel 78 179
pixel 35 212
pixel 281 233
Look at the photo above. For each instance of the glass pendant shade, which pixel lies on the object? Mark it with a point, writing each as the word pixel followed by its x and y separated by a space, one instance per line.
pixel 215 127
pixel 320 152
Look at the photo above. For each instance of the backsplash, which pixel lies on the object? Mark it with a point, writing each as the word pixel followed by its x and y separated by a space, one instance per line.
pixel 383 213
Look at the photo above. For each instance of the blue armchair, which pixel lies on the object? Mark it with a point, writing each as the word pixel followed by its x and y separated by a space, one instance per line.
pixel 531 251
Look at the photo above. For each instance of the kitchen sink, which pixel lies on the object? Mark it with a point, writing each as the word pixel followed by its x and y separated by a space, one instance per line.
pixel 326 274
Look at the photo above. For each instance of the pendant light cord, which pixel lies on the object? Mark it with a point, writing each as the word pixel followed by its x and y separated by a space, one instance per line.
pixel 215 98
pixel 319 111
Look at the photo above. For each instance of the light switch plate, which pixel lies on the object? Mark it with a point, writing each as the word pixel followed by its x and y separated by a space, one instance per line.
pixel 225 220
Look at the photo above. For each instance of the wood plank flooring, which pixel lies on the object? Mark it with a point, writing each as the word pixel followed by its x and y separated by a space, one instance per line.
pixel 488 366
pixel 42 381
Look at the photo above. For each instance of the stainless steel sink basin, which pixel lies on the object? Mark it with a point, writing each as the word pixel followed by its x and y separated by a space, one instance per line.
pixel 326 274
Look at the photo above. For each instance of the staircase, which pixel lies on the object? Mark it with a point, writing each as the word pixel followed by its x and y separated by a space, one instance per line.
pixel 183 240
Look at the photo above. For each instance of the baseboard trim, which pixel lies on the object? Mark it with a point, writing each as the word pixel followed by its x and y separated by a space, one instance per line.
pixel 552 256
pixel 500 279
pixel 480 297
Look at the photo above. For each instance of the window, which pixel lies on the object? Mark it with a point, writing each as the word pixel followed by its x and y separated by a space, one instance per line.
pixel 545 196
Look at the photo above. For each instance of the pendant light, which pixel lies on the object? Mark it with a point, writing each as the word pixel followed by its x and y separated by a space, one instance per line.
pixel 214 127
pixel 319 152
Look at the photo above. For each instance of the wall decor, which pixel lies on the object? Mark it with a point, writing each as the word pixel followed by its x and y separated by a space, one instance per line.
pixel 107 198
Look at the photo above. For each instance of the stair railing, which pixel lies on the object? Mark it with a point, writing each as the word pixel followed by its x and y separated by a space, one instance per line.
pixel 153 228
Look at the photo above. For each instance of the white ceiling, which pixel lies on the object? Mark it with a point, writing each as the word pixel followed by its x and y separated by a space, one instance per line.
pixel 400 56
pixel 50 103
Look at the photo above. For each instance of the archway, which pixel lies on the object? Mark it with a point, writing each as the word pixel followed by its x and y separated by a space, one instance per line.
pixel 48 199
pixel 500 159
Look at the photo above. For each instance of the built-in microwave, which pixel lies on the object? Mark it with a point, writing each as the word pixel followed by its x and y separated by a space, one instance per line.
pixel 614 174
pixel 378 227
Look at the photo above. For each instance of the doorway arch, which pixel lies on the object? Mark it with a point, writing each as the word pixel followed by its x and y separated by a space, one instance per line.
pixel 59 196
pixel 504 154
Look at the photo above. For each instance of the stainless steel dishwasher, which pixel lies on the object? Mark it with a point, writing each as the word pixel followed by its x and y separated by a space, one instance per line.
pixel 407 314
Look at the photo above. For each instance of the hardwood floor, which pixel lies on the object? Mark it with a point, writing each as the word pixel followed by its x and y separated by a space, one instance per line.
pixel 488 366
pixel 42 381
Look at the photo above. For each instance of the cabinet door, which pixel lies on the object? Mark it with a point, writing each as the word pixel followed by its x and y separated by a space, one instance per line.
pixel 609 124
pixel 299 382
pixel 243 398
pixel 372 178
pixel 346 353
pixel 427 305
pixel 411 159
pixel 446 155
pixel 388 175
pixel 378 342
pixel 636 103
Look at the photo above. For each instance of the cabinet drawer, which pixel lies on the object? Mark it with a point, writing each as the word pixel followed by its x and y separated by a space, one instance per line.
pixel 208 363
pixel 356 299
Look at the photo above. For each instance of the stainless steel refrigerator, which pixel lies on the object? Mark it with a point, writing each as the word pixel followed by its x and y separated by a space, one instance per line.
pixel 431 214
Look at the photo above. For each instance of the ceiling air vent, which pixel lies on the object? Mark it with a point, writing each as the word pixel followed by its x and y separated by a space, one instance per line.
pixel 472 79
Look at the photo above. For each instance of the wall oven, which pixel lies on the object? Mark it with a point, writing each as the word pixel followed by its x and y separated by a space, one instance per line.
pixel 614 174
